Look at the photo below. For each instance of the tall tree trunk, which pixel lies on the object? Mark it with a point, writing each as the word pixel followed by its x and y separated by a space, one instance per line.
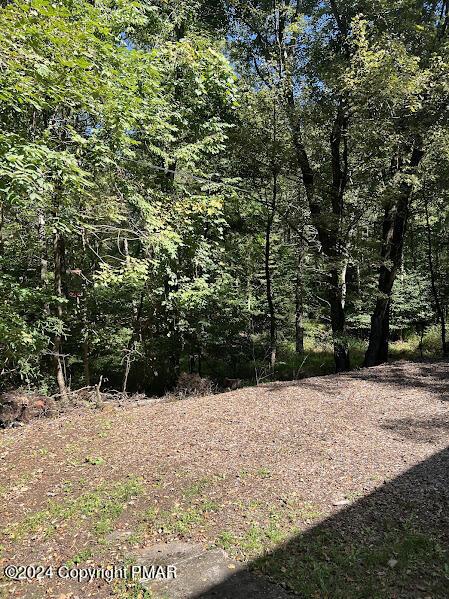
pixel 337 299
pixel 42 247
pixel 133 341
pixel 58 247
pixel 299 308
pixel 128 264
pixel 86 361
pixel 433 280
pixel 393 235
pixel 271 309
pixel 43 255
pixel 85 317
pixel 176 341
pixel 336 246
pixel 2 223
pixel 268 277
pixel 329 225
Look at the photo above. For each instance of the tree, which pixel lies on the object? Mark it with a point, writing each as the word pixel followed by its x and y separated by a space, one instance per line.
pixel 405 73
pixel 244 188
pixel 69 101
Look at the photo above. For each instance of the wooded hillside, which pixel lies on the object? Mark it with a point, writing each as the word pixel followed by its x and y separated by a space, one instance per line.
pixel 240 189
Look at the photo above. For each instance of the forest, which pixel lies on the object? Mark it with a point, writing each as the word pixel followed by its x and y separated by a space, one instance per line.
pixel 224 299
pixel 240 189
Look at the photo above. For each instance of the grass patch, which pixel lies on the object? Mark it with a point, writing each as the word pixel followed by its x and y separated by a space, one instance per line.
pixel 196 488
pixel 95 460
pixel 185 520
pixel 184 516
pixel 243 473
pixel 130 589
pixel 252 542
pixel 324 564
pixel 393 560
pixel 209 505
pixel 262 532
pixel 79 558
pixel 257 540
pixel 226 540
pixel 309 512
pixel 106 427
pixel 103 504
pixel 177 520
pixel 263 473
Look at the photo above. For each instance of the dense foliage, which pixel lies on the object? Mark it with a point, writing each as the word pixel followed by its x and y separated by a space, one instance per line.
pixel 239 189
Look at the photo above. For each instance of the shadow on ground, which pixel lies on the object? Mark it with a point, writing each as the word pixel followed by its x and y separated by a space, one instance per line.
pixel 421 430
pixel 432 377
pixel 392 543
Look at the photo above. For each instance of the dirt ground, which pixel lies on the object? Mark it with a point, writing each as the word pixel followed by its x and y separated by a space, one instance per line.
pixel 247 470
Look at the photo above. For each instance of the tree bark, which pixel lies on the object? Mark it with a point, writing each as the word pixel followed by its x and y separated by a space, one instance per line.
pixel 299 309
pixel 42 247
pixel 268 277
pixel 280 55
pixel 2 223
pixel 85 319
pixel 58 246
pixel 337 299
pixel 393 235
pixel 433 281
pixel 176 341
pixel 329 226
pixel 86 362
pixel 133 341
